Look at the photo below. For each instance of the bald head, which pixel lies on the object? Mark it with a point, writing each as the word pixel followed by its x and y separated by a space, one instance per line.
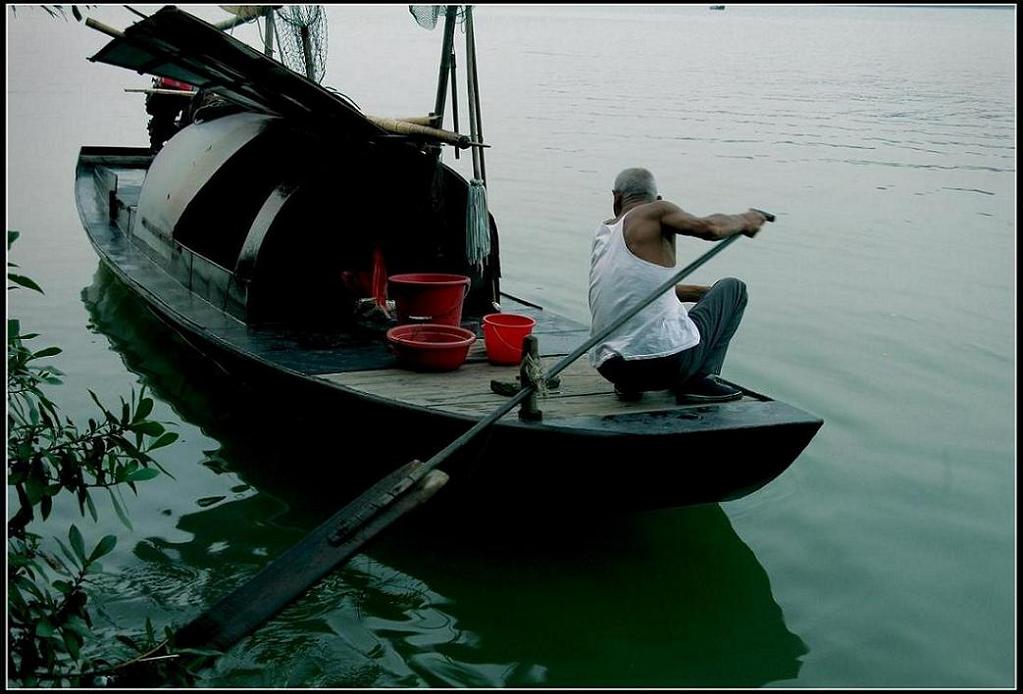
pixel 636 184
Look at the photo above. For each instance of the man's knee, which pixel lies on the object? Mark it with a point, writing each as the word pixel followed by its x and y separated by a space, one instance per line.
pixel 735 288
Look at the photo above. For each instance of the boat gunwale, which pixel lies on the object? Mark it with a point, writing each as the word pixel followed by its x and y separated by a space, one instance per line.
pixel 589 426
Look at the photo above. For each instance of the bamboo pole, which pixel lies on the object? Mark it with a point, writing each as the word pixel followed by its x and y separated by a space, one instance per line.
pixel 232 22
pixel 474 97
pixel 428 121
pixel 470 77
pixel 103 28
pixel 400 127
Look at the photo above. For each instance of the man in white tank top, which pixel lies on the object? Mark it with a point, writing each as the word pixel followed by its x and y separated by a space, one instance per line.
pixel 663 346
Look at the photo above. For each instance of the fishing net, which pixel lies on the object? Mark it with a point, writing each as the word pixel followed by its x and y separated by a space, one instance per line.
pixel 426 15
pixel 302 28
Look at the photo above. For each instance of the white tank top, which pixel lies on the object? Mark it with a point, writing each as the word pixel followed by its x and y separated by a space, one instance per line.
pixel 619 281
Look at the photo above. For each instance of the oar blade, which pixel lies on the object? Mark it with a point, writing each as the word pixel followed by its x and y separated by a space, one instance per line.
pixel 301 566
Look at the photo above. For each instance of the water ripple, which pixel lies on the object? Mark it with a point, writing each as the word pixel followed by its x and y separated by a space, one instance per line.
pixel 969 190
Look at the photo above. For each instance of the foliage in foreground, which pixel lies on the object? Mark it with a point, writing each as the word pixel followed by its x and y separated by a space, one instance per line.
pixel 49 458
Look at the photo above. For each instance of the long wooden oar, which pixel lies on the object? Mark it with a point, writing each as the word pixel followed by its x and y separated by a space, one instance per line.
pixel 298 568
pixel 345 532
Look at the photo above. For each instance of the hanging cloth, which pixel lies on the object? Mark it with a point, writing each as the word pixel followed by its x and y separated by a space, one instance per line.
pixel 477 226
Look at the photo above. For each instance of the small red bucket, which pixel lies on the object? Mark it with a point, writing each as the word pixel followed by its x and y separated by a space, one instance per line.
pixel 503 333
pixel 428 297
pixel 430 347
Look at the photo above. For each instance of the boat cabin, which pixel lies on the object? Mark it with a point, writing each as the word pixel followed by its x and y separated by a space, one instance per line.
pixel 284 212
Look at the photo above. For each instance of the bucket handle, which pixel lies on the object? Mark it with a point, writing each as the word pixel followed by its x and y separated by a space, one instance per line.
pixel 427 319
pixel 497 334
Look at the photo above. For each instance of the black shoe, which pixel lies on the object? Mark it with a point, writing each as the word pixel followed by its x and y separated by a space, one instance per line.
pixel 628 395
pixel 706 389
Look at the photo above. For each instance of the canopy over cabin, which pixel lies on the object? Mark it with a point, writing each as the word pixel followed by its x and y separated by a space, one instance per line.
pixel 275 203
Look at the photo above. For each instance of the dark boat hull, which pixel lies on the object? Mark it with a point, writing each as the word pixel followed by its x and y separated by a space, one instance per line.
pixel 616 461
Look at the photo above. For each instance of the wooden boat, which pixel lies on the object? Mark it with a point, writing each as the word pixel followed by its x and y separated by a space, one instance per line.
pixel 241 231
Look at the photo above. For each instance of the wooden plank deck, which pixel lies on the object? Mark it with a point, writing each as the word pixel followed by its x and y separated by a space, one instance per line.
pixel 466 391
pixel 369 368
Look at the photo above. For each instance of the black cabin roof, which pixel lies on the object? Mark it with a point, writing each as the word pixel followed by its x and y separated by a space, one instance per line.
pixel 172 43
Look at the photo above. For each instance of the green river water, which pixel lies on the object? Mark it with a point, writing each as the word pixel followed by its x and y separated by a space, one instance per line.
pixel 882 300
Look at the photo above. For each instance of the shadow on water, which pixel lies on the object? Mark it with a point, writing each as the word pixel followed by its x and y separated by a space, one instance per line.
pixel 452 596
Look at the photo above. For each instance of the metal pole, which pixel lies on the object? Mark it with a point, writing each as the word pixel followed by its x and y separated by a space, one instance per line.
pixel 268 40
pixel 446 51
pixel 454 96
pixel 308 52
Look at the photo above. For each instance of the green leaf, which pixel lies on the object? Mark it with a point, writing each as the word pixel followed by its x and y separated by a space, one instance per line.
pixel 44 629
pixel 12 236
pixel 71 640
pixel 91 506
pixel 105 546
pixel 95 399
pixel 144 408
pixel 77 544
pixel 165 440
pixel 24 282
pixel 127 446
pixel 57 564
pixel 47 352
pixel 199 651
pixel 35 490
pixel 148 428
pixel 162 469
pixel 78 626
pixel 33 589
pixel 142 474
pixel 13 328
pixel 119 510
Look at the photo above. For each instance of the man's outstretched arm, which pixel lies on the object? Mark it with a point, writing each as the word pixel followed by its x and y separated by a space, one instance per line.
pixel 712 227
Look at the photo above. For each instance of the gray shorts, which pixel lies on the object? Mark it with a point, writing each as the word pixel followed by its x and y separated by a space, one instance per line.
pixel 717 316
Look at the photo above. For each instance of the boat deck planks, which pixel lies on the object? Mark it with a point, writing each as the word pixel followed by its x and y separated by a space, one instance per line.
pixel 466 391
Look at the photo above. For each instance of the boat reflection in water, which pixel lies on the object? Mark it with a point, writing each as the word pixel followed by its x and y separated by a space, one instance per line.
pixel 451 596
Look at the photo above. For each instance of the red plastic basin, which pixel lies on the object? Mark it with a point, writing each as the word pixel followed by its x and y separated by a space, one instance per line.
pixel 430 346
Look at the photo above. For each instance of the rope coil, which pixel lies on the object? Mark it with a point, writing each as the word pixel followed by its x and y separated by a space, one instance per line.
pixel 535 374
